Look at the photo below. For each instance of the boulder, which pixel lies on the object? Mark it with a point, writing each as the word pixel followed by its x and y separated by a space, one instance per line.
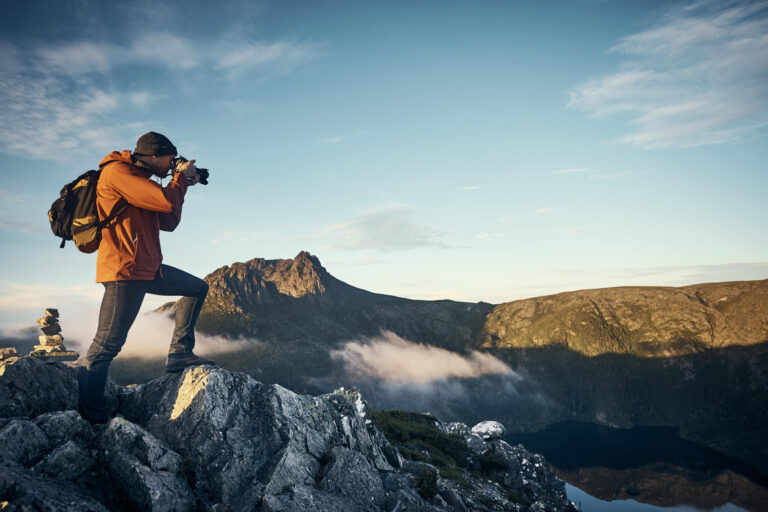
pixel 30 387
pixel 457 428
pixel 143 469
pixel 489 430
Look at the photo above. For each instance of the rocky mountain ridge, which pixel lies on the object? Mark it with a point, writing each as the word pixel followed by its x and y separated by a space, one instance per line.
pixel 304 300
pixel 213 440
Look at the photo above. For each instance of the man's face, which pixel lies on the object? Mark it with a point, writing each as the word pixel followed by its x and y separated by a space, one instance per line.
pixel 162 163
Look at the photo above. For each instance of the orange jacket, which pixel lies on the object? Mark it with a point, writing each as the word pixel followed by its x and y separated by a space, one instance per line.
pixel 130 244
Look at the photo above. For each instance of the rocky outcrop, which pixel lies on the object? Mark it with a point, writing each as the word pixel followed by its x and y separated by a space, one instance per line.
pixel 213 440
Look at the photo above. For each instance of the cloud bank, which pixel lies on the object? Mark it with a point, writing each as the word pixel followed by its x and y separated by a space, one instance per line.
pixel 391 358
pixel 698 76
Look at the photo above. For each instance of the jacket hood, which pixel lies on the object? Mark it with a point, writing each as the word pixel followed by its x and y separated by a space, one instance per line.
pixel 117 156
pixel 126 157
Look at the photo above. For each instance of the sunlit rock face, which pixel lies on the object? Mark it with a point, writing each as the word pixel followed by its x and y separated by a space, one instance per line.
pixel 209 439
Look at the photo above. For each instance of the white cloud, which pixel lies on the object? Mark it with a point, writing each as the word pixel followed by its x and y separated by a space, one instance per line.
pixel 282 56
pixel 488 236
pixel 699 76
pixel 610 176
pixel 587 229
pixel 339 138
pixel 60 99
pixel 386 228
pixel 577 170
pixel 389 357
pixel 548 209
pixel 77 58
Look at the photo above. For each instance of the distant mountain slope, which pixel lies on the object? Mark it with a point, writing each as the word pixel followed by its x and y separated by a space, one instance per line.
pixel 642 321
pixel 297 304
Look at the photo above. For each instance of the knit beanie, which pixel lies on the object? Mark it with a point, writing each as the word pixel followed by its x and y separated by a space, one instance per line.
pixel 153 143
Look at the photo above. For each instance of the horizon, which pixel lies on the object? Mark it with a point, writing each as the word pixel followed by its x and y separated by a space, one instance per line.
pixel 431 151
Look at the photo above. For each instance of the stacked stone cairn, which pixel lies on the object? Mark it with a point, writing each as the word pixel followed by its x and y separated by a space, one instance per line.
pixel 51 345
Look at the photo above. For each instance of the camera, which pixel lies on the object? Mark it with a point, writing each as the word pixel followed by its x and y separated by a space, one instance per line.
pixel 203 173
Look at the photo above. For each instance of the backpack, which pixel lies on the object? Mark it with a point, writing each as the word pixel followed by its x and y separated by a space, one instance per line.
pixel 73 216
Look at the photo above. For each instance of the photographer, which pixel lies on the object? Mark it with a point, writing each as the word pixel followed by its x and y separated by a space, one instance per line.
pixel 129 262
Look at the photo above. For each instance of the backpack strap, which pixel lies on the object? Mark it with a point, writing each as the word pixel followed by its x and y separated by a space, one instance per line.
pixel 119 208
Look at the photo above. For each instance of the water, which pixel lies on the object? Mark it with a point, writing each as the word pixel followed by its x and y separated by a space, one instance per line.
pixel 645 469
pixel 589 503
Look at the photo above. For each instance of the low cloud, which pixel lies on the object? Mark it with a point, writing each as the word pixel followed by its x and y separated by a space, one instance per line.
pixel 698 76
pixel 387 228
pixel 391 358
pixel 541 211
pixel 149 336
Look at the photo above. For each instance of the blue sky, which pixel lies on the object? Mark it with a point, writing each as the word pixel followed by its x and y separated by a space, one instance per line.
pixel 463 150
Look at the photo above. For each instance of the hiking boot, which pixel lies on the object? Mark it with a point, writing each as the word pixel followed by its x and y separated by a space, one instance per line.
pixel 177 364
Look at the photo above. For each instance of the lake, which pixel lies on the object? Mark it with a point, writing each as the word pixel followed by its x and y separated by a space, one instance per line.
pixel 645 469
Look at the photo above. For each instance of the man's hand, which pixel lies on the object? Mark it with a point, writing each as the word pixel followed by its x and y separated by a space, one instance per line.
pixel 190 171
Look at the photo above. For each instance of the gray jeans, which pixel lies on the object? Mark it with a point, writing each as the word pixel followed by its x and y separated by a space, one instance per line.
pixel 119 307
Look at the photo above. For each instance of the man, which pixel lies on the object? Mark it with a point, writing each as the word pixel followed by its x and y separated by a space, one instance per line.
pixel 129 262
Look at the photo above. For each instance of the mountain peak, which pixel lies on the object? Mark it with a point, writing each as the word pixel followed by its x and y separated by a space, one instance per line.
pixel 262 281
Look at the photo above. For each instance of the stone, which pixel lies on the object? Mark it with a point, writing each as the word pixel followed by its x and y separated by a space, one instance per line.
pixel 62 426
pixel 8 352
pixel 144 470
pixel 67 462
pixel 349 474
pixel 56 356
pixel 47 321
pixel 489 430
pixel 29 387
pixel 52 312
pixel 47 348
pixel 51 341
pixel 457 428
pixel 51 329
pixel 307 499
pixel 21 441
pixel 21 489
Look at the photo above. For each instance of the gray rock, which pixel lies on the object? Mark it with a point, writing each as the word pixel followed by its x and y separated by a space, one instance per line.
pixel 61 426
pixel 30 387
pixel 349 474
pixel 457 428
pixel 489 430
pixel 8 352
pixel 239 431
pixel 67 462
pixel 453 500
pixel 25 491
pixel 476 444
pixel 144 470
pixel 21 441
pixel 307 499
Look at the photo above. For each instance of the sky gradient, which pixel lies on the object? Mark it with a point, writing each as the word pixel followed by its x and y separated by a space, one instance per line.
pixel 470 151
